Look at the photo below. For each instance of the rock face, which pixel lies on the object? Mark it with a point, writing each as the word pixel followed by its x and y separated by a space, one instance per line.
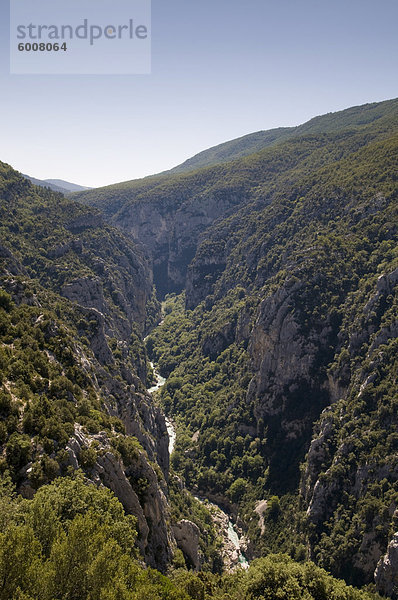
pixel 287 389
pixel 98 340
pixel 260 508
pixel 96 267
pixel 138 489
pixel 215 343
pixel 170 229
pixel 126 400
pixel 320 452
pixel 103 285
pixel 343 465
pixel 231 550
pixel 83 222
pixel 386 573
pixel 12 265
pixel 75 245
pixel 204 271
pixel 282 355
pixel 87 292
pixel 187 536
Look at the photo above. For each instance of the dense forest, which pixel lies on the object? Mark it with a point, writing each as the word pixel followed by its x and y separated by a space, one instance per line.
pixel 261 279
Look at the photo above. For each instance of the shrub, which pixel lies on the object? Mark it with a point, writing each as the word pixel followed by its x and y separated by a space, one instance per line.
pixel 5 301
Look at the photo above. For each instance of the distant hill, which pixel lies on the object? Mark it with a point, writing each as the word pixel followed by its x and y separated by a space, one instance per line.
pixel 227 184
pixel 71 187
pixel 237 148
pixel 57 185
pixel 216 164
pixel 254 142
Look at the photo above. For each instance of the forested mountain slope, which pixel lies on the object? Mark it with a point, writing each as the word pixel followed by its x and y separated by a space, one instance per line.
pixel 255 142
pixel 234 149
pixel 76 424
pixel 279 344
pixel 302 316
pixel 76 298
pixel 169 213
pixel 283 350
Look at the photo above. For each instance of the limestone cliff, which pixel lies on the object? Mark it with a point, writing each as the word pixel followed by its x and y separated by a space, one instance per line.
pixel 386 573
pixel 170 229
pixel 289 388
pixel 344 464
pixel 85 295
pixel 138 488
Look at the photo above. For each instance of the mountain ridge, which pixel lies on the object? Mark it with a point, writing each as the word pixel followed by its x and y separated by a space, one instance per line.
pixel 163 202
pixel 71 187
pixel 255 142
pixel 57 185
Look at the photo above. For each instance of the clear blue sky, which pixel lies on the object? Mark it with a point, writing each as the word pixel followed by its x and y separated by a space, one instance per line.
pixel 220 69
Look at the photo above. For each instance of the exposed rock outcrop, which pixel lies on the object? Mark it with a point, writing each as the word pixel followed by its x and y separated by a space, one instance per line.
pixel 339 465
pixel 288 390
pixel 215 343
pixel 319 457
pixel 87 292
pixel 386 573
pixel 260 508
pixel 281 354
pixel 170 230
pixel 10 263
pixel 136 486
pixel 232 543
pixel 203 272
pixel 187 536
pixel 75 245
pixel 90 287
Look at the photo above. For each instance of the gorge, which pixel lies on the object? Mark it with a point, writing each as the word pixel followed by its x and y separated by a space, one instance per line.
pixel 247 299
pixel 277 255
pixel 232 551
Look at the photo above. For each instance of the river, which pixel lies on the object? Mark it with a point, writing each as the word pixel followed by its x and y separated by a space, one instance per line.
pixel 235 554
pixel 235 539
pixel 160 381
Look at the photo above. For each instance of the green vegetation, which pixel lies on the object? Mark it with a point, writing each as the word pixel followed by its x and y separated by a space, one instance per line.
pixel 73 369
pixel 239 205
pixel 74 542
pixel 206 394
pixel 185 506
pixel 313 239
pixel 221 164
pixel 59 359
pixel 286 334
pixel 68 249
pixel 44 391
pixel 366 447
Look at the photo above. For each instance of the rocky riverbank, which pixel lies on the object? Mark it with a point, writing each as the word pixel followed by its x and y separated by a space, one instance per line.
pixel 234 543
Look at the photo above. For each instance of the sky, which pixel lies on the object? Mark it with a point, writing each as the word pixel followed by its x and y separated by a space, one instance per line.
pixel 220 69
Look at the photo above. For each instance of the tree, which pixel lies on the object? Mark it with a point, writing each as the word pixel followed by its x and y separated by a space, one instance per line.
pixel 237 489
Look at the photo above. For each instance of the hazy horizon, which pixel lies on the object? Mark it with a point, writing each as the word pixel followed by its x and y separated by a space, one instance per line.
pixel 57 178
pixel 219 72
